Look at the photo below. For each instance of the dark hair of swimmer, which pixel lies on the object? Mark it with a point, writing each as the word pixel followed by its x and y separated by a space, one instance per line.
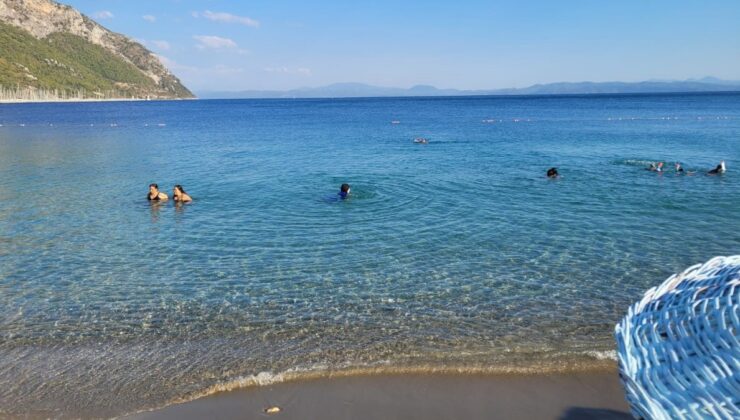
pixel 552 172
pixel 344 190
pixel 179 188
pixel 154 186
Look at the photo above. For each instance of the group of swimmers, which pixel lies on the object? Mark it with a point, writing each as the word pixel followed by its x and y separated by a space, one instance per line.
pixel 178 194
pixel 658 167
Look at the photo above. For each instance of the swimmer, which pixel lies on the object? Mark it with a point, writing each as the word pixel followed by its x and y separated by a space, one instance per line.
pixel 553 173
pixel 155 194
pixel 655 168
pixel 720 169
pixel 679 168
pixel 421 140
pixel 344 191
pixel 179 194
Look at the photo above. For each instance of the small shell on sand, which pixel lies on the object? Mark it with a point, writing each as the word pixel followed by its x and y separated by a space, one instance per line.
pixel 272 410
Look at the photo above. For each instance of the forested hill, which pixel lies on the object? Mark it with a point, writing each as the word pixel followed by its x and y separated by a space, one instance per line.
pixel 51 51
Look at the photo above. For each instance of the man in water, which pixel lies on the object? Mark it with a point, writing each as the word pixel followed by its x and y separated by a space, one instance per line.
pixel 720 169
pixel 155 194
pixel 344 191
pixel 552 173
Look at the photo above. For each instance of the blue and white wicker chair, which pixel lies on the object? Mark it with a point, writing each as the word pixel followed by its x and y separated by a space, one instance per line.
pixel 679 347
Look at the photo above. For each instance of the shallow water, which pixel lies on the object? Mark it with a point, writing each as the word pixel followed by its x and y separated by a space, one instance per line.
pixel 458 253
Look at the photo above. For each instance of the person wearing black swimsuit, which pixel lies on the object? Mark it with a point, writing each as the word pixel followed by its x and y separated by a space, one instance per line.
pixel 155 194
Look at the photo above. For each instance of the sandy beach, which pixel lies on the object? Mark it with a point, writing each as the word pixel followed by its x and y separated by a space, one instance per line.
pixel 417 396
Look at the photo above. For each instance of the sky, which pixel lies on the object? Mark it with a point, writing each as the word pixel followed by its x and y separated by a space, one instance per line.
pixel 217 45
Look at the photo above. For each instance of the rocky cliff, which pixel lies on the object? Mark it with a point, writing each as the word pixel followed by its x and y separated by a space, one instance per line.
pixel 48 46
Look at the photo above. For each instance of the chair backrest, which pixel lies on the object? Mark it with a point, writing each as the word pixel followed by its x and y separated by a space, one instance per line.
pixel 679 347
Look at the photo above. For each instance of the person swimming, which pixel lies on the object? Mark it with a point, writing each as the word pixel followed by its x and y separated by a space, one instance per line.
pixel 155 194
pixel 553 173
pixel 344 191
pixel 679 168
pixel 655 168
pixel 179 194
pixel 720 169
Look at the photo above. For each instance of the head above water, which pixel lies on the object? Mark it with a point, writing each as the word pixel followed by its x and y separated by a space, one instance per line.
pixel 344 191
pixel 719 169
pixel 552 172
pixel 153 188
pixel 178 189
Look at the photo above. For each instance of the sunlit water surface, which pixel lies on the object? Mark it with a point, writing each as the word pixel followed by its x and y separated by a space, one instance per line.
pixel 457 254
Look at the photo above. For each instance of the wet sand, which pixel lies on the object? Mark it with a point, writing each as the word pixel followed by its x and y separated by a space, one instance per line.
pixel 417 396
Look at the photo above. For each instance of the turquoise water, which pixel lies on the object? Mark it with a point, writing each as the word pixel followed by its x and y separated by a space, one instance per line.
pixel 458 253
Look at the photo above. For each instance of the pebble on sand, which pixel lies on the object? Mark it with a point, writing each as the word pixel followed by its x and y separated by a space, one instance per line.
pixel 272 410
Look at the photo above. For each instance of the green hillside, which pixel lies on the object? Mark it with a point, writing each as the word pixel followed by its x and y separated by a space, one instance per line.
pixel 67 63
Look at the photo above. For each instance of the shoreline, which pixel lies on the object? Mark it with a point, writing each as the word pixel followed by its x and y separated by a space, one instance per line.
pixel 80 100
pixel 409 395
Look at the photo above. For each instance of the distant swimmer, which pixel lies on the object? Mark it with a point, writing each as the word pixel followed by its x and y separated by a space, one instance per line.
pixel 344 191
pixel 421 140
pixel 720 169
pixel 155 194
pixel 179 194
pixel 679 168
pixel 553 173
pixel 655 168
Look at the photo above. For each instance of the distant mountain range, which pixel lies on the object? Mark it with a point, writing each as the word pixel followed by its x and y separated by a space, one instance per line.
pixel 355 90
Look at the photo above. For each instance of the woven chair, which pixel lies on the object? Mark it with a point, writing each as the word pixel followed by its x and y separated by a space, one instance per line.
pixel 679 347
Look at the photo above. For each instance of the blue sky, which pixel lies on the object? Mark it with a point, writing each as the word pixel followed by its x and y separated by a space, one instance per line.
pixel 284 44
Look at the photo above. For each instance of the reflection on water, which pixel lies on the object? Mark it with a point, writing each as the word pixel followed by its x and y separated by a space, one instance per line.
pixel 155 207
pixel 457 254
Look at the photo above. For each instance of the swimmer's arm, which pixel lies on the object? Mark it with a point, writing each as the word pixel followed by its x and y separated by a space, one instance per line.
pixel 163 196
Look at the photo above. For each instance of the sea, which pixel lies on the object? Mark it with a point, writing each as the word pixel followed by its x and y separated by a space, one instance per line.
pixel 458 255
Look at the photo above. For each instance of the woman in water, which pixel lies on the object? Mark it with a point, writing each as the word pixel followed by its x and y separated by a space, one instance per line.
pixel 155 194
pixel 179 194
